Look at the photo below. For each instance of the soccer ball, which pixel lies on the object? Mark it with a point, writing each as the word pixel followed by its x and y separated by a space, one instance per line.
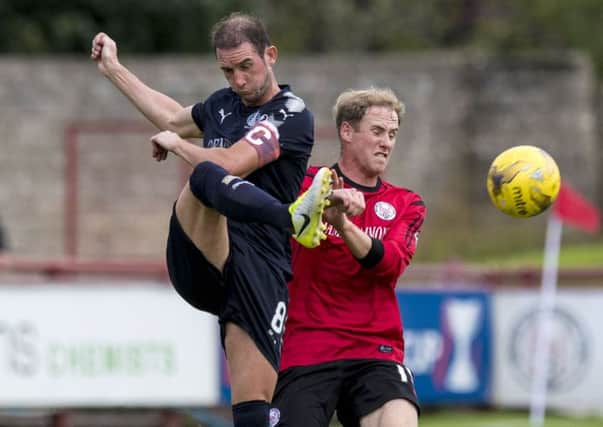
pixel 523 181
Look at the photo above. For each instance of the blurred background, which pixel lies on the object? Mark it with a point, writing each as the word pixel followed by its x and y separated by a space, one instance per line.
pixel 91 332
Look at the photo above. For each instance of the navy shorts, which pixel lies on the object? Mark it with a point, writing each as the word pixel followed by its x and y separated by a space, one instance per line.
pixel 250 292
pixel 308 396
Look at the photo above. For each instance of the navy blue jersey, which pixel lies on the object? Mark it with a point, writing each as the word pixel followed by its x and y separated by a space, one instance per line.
pixel 224 120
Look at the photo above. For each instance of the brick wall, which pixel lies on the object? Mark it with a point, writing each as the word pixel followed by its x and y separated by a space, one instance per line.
pixel 462 110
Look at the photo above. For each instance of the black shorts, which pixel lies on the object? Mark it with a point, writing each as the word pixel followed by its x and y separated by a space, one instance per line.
pixel 307 396
pixel 250 292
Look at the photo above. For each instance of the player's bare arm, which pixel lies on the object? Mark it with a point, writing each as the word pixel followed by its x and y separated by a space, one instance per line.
pixel 259 147
pixel 161 110
pixel 239 159
pixel 356 240
pixel 347 202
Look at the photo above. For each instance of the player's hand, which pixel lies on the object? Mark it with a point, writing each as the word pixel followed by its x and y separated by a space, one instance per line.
pixel 163 143
pixel 346 200
pixel 337 181
pixel 104 53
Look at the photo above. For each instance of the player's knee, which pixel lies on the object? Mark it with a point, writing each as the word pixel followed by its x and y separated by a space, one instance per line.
pixel 399 413
pixel 395 413
pixel 204 179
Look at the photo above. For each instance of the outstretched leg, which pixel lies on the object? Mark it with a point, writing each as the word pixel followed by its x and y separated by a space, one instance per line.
pixel 240 200
pixel 236 198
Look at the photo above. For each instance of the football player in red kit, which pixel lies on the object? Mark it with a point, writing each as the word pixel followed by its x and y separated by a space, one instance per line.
pixel 343 346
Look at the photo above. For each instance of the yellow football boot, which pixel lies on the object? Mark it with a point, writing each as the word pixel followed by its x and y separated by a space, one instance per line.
pixel 306 212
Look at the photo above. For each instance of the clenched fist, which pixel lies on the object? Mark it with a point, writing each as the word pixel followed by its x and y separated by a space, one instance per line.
pixel 104 53
pixel 163 143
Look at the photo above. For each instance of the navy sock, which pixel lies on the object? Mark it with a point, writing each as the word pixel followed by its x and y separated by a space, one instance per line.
pixel 236 198
pixel 253 413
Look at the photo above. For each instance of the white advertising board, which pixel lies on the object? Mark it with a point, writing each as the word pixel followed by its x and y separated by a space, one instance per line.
pixel 121 344
pixel 575 377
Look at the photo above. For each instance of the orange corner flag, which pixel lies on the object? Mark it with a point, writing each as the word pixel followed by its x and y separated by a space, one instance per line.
pixel 573 208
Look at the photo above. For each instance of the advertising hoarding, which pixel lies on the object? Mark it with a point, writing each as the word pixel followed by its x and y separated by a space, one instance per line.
pixel 105 345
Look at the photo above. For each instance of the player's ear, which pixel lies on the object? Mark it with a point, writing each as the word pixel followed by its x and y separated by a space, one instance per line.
pixel 270 55
pixel 345 131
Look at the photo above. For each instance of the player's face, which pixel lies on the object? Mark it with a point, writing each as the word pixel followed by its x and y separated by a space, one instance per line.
pixel 372 140
pixel 248 73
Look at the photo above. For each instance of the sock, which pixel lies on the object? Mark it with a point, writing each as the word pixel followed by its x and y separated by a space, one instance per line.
pixel 253 413
pixel 236 198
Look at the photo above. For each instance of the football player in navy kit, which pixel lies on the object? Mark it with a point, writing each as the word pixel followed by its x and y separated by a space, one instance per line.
pixel 228 246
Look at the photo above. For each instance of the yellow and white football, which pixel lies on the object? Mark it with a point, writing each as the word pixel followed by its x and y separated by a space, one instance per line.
pixel 523 181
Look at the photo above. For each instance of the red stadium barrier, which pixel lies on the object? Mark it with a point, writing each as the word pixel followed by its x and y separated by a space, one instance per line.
pixel 472 275
pixel 73 267
pixel 438 275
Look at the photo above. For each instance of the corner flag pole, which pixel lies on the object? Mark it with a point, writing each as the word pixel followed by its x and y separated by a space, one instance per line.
pixel 574 209
pixel 548 291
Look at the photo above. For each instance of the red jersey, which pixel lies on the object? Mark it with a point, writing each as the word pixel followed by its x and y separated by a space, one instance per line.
pixel 340 310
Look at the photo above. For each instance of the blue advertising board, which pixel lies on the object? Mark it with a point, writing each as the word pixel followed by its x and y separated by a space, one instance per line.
pixel 448 344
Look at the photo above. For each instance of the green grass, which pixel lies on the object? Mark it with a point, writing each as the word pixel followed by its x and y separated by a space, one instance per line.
pixel 467 418
pixel 471 418
pixel 583 255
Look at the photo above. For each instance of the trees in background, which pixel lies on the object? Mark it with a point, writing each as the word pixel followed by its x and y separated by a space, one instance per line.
pixel 302 26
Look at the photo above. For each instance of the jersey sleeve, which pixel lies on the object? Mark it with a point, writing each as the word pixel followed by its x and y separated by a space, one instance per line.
pixel 400 243
pixel 197 114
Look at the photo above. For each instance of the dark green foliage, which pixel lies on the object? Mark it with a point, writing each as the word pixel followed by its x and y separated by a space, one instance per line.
pixel 303 26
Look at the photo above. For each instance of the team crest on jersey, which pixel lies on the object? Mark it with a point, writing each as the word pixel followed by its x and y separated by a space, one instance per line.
pixel 275 416
pixel 385 211
pixel 252 119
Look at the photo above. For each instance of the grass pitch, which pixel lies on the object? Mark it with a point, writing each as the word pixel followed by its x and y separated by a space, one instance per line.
pixel 495 418
pixel 468 418
pixel 586 255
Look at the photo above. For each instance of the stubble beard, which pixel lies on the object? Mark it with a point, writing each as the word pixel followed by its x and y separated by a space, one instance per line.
pixel 256 97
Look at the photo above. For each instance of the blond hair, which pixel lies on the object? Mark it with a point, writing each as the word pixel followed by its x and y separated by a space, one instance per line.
pixel 351 105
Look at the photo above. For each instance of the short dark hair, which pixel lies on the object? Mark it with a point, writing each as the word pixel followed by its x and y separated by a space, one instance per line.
pixel 237 28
